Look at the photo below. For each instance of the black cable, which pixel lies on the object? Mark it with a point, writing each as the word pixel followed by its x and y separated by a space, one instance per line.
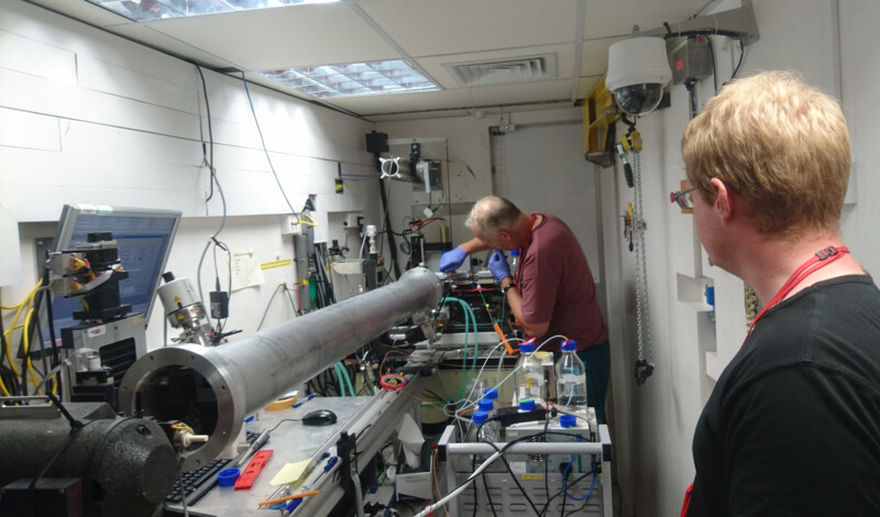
pixel 512 474
pixel 546 467
pixel 24 363
pixel 564 498
pixel 742 53
pixel 392 246
pixel 210 132
pixel 488 495
pixel 714 66
pixel 565 487
pixel 42 348
pixel 282 421
pixel 473 468
pixel 265 150
pixel 703 32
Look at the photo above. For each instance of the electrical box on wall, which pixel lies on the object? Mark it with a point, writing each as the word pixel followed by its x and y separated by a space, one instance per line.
pixel 692 60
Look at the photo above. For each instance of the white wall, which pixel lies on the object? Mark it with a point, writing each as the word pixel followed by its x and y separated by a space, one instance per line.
pixel 689 353
pixel 87 117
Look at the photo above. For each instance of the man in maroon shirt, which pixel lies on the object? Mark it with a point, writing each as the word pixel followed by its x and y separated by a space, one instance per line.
pixel 553 292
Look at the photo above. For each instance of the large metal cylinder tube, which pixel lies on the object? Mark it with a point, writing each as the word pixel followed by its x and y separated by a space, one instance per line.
pixel 213 389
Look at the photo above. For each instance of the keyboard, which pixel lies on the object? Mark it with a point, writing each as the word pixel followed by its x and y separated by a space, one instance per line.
pixel 199 482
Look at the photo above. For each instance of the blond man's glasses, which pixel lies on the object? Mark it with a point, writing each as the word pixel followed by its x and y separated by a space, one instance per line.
pixel 684 198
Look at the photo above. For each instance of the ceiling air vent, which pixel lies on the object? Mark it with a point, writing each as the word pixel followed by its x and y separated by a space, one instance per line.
pixel 505 71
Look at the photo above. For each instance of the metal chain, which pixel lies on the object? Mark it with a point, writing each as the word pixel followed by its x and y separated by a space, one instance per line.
pixel 645 363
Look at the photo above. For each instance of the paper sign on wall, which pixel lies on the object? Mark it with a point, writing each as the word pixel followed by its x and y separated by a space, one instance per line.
pixel 246 270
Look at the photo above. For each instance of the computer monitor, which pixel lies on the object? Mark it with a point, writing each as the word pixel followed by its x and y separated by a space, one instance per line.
pixel 144 236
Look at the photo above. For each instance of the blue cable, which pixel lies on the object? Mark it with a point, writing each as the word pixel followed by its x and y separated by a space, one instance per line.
pixel 565 474
pixel 265 150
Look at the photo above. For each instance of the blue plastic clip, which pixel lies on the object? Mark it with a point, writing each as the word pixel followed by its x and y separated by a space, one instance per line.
pixel 291 506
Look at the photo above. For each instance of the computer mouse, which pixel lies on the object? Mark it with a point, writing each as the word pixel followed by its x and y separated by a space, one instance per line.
pixel 319 417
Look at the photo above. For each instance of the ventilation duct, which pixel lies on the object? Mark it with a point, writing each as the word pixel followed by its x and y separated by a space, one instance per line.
pixel 505 71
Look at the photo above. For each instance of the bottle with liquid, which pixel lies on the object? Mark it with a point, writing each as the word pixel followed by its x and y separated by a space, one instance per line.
pixel 491 428
pixel 571 380
pixel 475 432
pixel 514 261
pixel 530 375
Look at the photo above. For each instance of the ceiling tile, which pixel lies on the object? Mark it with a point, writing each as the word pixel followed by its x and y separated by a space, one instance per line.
pixel 435 65
pixel 431 27
pixel 81 10
pixel 283 36
pixel 594 60
pixel 522 93
pixel 586 84
pixel 147 35
pixel 404 102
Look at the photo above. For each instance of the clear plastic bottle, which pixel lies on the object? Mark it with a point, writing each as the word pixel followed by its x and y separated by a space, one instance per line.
pixel 475 432
pixel 478 433
pixel 514 261
pixel 492 428
pixel 530 375
pixel 571 380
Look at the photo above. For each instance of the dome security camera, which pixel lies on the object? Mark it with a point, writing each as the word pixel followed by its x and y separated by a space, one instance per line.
pixel 638 70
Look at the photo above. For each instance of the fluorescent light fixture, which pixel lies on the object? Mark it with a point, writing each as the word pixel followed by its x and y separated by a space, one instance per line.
pixel 146 10
pixel 378 77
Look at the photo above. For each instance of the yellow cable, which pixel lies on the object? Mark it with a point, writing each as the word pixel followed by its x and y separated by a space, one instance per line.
pixel 3 389
pixel 15 325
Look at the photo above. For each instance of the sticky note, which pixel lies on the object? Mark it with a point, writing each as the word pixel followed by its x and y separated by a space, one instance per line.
pixel 289 473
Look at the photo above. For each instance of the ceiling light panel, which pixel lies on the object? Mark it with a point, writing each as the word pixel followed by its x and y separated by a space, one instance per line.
pixel 145 10
pixel 327 81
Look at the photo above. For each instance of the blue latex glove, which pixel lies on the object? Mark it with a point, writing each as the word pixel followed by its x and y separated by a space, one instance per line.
pixel 498 265
pixel 451 260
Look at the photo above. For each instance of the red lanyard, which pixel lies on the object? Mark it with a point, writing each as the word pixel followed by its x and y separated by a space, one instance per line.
pixel 820 259
pixel 525 248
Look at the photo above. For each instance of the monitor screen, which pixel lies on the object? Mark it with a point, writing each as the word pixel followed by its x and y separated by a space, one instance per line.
pixel 144 237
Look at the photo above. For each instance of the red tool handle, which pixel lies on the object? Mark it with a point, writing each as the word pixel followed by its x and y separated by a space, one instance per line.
pixel 247 478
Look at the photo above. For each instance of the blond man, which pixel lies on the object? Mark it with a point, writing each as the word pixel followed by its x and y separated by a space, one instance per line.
pixel 792 426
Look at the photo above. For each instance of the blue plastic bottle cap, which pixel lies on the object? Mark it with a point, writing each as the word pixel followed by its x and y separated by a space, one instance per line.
pixel 527 348
pixel 227 477
pixel 480 417
pixel 526 404
pixel 485 405
pixel 567 420
pixel 490 393
pixel 569 345
pixel 514 253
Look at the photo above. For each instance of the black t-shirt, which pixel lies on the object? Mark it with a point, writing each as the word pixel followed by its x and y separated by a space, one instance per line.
pixel 793 424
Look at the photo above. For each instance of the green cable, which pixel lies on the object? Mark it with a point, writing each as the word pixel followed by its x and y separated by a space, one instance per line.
pixel 340 379
pixel 470 317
